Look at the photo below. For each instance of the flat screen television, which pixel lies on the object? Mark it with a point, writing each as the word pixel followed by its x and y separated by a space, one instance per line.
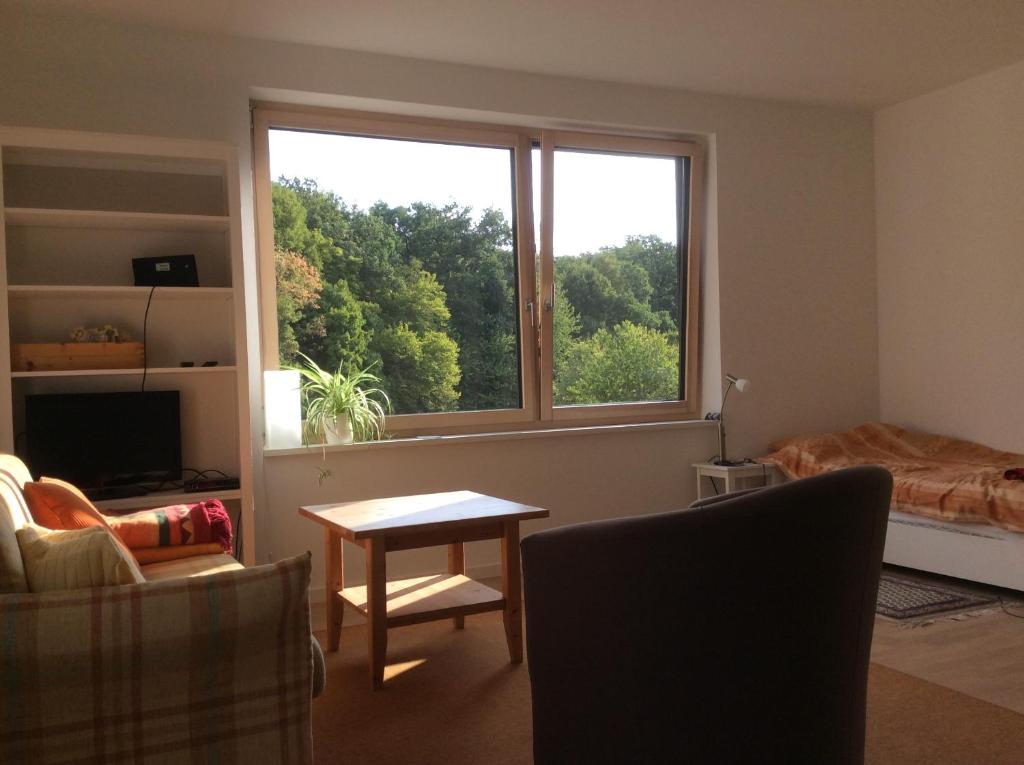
pixel 97 440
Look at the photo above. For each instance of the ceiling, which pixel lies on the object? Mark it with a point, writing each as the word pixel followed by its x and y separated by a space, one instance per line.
pixel 861 53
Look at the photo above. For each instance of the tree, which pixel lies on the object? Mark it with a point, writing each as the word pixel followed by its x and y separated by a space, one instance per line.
pixel 428 292
pixel 292 233
pixel 417 299
pixel 565 331
pixel 337 335
pixel 660 259
pixel 298 287
pixel 420 372
pixel 626 363
pixel 474 265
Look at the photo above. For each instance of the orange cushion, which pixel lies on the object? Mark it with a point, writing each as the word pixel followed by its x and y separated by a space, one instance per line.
pixel 57 504
pixel 147 555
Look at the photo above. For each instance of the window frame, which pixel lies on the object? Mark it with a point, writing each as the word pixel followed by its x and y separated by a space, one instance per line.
pixel 640 411
pixel 535 319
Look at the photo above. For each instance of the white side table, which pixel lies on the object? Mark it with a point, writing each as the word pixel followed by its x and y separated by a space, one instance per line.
pixel 736 477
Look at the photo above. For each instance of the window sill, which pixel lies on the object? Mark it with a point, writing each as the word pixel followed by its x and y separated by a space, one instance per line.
pixel 473 438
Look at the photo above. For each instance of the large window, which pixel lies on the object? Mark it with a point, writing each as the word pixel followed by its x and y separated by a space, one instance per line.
pixel 491 277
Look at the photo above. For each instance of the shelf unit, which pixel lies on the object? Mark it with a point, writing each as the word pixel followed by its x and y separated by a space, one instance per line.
pixel 164 498
pixel 106 219
pixel 109 372
pixel 15 291
pixel 76 208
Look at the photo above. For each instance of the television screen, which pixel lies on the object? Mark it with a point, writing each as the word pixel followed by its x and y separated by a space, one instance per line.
pixel 102 439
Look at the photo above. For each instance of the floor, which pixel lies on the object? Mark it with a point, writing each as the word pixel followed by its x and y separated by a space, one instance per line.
pixel 951 693
pixel 981 656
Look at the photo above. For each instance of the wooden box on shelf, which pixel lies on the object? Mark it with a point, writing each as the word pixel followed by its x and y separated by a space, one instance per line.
pixel 50 357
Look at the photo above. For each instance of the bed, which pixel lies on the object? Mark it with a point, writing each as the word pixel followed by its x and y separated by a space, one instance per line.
pixel 953 510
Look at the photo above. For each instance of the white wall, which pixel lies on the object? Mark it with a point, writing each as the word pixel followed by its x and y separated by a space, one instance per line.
pixel 792 257
pixel 950 215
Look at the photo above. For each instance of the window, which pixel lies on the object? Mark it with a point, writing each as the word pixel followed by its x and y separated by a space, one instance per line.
pixel 492 277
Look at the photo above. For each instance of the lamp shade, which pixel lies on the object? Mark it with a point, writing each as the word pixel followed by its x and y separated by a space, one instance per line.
pixel 742 384
pixel 282 409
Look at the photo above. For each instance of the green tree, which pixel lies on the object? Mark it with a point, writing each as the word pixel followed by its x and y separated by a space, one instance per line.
pixel 420 372
pixel 626 363
pixel 474 264
pixel 428 292
pixel 336 336
pixel 565 331
pixel 660 259
pixel 417 299
pixel 292 233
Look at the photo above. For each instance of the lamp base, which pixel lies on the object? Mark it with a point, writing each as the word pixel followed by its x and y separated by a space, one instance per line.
pixel 730 463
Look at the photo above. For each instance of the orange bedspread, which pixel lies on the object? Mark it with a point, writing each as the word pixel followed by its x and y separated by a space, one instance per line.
pixel 936 476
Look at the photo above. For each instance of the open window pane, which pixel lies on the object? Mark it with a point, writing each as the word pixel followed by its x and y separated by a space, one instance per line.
pixel 399 255
pixel 618 311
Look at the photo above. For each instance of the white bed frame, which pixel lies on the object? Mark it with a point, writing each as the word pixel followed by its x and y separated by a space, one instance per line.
pixel 974 551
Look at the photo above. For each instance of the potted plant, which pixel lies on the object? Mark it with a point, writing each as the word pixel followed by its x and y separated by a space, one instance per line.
pixel 342 408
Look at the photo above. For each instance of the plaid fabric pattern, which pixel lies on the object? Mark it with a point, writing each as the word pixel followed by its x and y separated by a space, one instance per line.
pixel 214 669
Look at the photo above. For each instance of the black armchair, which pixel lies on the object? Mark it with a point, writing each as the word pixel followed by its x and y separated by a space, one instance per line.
pixel 734 633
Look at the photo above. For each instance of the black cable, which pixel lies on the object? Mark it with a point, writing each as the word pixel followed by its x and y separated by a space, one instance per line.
pixel 713 484
pixel 238 538
pixel 145 347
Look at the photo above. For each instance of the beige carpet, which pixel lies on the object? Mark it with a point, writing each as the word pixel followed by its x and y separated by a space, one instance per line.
pixel 451 697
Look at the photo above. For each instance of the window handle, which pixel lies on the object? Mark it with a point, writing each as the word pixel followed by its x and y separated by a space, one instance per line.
pixel 549 304
pixel 529 307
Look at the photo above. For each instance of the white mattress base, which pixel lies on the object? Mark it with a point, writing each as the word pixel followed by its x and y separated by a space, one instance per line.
pixel 973 551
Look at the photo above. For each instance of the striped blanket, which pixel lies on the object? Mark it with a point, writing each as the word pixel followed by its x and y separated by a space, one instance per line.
pixel 203 522
pixel 936 476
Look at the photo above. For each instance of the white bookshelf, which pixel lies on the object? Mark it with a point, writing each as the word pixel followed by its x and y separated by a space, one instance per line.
pixel 91 291
pixel 76 208
pixel 105 219
pixel 164 498
pixel 114 372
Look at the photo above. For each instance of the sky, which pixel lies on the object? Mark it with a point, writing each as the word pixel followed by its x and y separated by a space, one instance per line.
pixel 599 199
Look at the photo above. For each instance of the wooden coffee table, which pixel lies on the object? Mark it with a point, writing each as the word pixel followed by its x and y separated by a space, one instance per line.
pixel 452 518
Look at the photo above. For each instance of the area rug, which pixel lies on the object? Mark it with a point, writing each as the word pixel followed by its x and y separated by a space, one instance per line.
pixel 903 598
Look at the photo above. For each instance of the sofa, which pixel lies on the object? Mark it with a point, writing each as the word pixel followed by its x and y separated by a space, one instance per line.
pixel 204 661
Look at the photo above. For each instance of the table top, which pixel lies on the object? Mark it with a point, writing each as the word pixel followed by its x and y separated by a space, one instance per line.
pixel 754 468
pixel 420 512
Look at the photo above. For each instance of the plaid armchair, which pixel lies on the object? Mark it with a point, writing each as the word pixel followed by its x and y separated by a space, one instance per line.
pixel 204 669
pixel 205 662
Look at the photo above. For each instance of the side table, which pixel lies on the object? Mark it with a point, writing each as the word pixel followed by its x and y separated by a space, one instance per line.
pixel 380 526
pixel 735 477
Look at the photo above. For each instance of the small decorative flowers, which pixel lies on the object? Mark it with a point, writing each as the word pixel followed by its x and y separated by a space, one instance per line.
pixel 105 334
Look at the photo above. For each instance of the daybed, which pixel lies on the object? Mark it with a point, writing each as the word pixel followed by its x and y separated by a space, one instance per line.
pixel 953 510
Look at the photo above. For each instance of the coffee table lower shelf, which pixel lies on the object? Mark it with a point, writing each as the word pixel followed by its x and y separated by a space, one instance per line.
pixel 428 598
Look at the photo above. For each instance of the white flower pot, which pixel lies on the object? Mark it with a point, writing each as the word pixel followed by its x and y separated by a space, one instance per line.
pixel 338 432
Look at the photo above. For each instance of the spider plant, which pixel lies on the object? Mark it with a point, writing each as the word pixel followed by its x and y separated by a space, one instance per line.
pixel 343 406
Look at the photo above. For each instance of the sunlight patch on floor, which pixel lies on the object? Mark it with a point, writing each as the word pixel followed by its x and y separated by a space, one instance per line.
pixel 397 668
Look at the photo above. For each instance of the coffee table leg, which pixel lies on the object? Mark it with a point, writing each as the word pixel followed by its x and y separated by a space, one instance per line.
pixel 376 609
pixel 511 588
pixel 457 565
pixel 335 567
